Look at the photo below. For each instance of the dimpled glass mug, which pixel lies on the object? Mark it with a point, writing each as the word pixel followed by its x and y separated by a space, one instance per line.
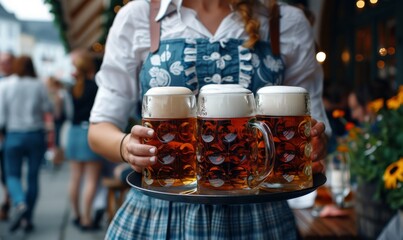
pixel 227 142
pixel 171 112
pixel 286 110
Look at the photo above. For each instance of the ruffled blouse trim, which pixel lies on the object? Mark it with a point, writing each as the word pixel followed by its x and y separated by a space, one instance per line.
pixel 245 66
pixel 189 63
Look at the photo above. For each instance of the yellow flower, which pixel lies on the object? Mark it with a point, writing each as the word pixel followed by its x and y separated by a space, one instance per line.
pixel 342 148
pixel 393 103
pixel 400 95
pixel 376 105
pixel 338 113
pixel 353 131
pixel 393 174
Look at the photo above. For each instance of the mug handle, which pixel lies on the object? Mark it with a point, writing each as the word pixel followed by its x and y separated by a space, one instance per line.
pixel 256 179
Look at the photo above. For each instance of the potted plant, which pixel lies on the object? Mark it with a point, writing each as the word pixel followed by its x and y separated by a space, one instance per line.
pixel 375 155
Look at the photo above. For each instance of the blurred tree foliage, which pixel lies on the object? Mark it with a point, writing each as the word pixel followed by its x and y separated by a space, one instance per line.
pixel 57 11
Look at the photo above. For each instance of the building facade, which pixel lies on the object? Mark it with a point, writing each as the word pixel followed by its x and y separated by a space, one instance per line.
pixel 38 39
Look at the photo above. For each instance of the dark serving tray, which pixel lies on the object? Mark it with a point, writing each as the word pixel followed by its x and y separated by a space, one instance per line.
pixel 134 180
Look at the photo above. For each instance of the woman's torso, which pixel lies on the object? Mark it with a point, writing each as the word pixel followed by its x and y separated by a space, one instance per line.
pixel 194 63
pixel 196 57
pixel 82 104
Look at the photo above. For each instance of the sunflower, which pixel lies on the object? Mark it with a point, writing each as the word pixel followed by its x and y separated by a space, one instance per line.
pixel 393 174
pixel 342 148
pixel 337 113
pixel 393 103
pixel 376 105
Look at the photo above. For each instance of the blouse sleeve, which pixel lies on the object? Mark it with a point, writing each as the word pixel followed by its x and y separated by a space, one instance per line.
pixel 302 69
pixel 118 84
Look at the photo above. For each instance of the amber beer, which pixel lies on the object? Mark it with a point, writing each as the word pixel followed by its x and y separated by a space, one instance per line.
pixel 227 149
pixel 286 111
pixel 227 142
pixel 171 112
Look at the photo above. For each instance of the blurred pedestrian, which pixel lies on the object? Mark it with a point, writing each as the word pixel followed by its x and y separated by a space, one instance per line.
pixel 23 103
pixel 6 64
pixel 335 98
pixel 60 99
pixel 6 61
pixel 84 163
pixel 362 95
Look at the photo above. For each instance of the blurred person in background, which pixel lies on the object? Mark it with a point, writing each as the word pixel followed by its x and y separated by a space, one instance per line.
pixel 6 64
pixel 84 163
pixel 62 112
pixel 335 98
pixel 362 95
pixel 6 61
pixel 24 101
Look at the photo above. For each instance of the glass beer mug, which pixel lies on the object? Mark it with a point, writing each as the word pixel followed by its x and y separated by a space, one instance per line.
pixel 171 112
pixel 286 110
pixel 227 160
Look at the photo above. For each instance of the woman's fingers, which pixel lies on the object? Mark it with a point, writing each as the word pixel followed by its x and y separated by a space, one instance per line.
pixel 141 150
pixel 319 166
pixel 140 155
pixel 142 132
pixel 318 140
pixel 138 163
pixel 317 128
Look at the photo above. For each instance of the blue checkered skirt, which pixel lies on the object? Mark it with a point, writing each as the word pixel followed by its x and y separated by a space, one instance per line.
pixel 143 217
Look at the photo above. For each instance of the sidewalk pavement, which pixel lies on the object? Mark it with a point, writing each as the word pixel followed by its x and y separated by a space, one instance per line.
pixel 52 216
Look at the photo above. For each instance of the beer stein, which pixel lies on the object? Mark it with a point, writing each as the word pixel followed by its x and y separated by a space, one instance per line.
pixel 171 112
pixel 286 110
pixel 227 160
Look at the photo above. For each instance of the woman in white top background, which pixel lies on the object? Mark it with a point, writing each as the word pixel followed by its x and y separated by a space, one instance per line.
pixel 24 101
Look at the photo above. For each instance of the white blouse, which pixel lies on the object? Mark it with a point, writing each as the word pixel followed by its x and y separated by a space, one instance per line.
pixel 128 45
pixel 23 103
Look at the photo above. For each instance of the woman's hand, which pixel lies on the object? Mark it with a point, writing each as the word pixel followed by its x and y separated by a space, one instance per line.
pixel 319 146
pixel 138 155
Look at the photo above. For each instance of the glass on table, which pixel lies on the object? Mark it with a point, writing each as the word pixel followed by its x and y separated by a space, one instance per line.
pixel 338 179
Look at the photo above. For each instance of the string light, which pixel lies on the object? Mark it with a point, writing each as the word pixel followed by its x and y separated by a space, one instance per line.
pixel 382 51
pixel 380 64
pixel 321 57
pixel 360 4
pixel 97 47
pixel 345 56
pixel 391 50
pixel 373 1
pixel 359 57
pixel 117 8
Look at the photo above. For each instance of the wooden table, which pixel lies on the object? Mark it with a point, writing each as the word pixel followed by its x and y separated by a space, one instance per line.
pixel 310 227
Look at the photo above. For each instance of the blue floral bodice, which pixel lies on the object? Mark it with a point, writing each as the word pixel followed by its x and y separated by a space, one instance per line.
pixel 194 63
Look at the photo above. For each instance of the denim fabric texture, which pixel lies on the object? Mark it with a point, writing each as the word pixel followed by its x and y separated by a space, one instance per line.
pixel 20 147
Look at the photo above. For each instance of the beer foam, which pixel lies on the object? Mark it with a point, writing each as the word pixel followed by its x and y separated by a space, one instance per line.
pixel 168 91
pixel 219 87
pixel 283 101
pixel 226 102
pixel 169 102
